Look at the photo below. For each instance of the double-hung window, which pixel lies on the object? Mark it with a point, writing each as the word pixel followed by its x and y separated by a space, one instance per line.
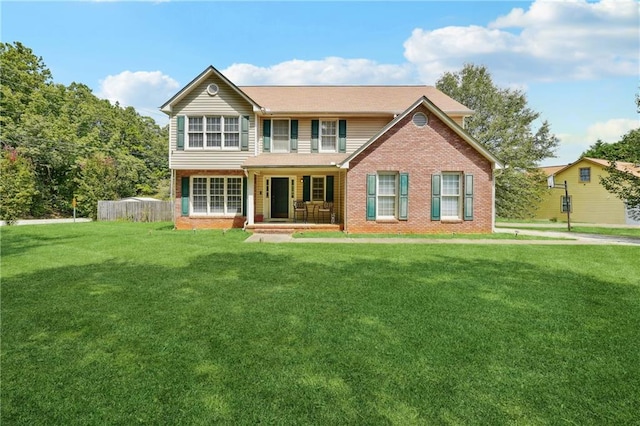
pixel 216 195
pixel 328 136
pixel 387 191
pixel 451 196
pixel 280 136
pixel 317 188
pixel 585 174
pixel 213 132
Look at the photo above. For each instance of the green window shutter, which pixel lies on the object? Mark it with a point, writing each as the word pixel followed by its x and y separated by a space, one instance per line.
pixel 244 136
pixel 403 207
pixel 266 135
pixel 306 188
pixel 342 135
pixel 185 196
pixel 315 131
pixel 294 135
pixel 244 196
pixel 371 197
pixel 329 190
pixel 435 197
pixel 468 197
pixel 180 133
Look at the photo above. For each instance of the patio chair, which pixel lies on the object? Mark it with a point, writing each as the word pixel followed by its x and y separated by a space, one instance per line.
pixel 299 207
pixel 325 209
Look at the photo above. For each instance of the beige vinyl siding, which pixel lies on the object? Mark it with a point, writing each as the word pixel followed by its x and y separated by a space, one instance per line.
pixel 359 131
pixel 591 202
pixel 199 103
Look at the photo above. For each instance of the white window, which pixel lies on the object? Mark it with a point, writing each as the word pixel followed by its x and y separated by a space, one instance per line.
pixel 451 196
pixel 280 136
pixel 317 188
pixel 386 193
pixel 213 132
pixel 216 195
pixel 328 136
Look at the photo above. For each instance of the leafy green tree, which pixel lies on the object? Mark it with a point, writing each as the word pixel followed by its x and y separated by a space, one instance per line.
pixel 504 124
pixel 17 186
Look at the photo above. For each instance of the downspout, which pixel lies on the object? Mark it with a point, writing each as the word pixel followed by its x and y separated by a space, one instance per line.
pixel 246 220
pixel 493 198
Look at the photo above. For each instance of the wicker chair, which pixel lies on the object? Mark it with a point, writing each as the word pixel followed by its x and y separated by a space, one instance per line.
pixel 299 207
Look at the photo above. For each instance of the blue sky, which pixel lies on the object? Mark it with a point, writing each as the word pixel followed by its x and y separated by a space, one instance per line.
pixel 576 61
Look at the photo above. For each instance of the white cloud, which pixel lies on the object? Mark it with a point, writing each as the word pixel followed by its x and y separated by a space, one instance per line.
pixel 611 130
pixel 143 90
pixel 552 40
pixel 330 70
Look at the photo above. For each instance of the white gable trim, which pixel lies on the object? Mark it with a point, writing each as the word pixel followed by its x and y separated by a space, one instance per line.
pixel 442 116
pixel 168 106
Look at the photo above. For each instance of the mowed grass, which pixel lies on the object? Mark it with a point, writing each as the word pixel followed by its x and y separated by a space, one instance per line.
pixel 118 323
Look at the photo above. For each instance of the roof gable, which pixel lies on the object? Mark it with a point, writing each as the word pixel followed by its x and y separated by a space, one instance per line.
pixel 443 117
pixel 210 70
pixel 620 165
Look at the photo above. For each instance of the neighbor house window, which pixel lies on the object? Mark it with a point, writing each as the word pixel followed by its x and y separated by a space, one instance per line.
pixel 216 195
pixel 451 196
pixel 213 132
pixel 317 188
pixel 328 136
pixel 565 204
pixel 280 136
pixel 585 174
pixel 387 190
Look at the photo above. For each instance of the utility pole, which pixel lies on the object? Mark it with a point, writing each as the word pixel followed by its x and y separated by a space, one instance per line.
pixel 567 203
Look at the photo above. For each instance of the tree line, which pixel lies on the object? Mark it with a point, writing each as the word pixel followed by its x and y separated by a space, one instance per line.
pixel 62 142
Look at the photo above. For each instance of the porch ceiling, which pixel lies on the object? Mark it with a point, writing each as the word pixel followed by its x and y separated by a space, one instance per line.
pixel 294 160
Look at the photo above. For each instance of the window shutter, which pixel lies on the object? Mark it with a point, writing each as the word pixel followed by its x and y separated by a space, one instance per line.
pixel 403 210
pixel 266 135
pixel 468 197
pixel 371 197
pixel 306 188
pixel 315 131
pixel 342 135
pixel 329 190
pixel 244 136
pixel 185 196
pixel 294 135
pixel 435 197
pixel 180 133
pixel 244 196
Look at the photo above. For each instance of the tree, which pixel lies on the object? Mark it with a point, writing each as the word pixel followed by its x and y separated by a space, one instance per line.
pixel 504 124
pixel 17 186
pixel 623 184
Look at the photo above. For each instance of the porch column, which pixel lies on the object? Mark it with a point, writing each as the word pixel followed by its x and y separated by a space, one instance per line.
pixel 251 207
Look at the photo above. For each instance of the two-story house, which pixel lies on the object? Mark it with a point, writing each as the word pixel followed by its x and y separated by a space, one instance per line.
pixel 360 158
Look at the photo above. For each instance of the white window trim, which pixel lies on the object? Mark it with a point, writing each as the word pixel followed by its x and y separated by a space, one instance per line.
pixel 208 213
pixel 395 195
pixel 324 187
pixel 459 196
pixel 337 123
pixel 204 147
pixel 273 120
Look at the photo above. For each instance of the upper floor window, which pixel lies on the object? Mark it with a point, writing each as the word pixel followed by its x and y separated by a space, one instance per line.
pixel 585 174
pixel 328 136
pixel 280 136
pixel 213 132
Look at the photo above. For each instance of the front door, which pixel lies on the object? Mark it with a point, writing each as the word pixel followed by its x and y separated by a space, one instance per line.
pixel 279 198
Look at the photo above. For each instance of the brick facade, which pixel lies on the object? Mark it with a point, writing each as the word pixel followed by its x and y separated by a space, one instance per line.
pixel 420 152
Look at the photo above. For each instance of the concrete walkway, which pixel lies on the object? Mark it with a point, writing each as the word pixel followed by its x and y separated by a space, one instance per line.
pixel 563 238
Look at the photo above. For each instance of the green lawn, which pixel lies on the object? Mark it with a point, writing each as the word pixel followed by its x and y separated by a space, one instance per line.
pixel 120 323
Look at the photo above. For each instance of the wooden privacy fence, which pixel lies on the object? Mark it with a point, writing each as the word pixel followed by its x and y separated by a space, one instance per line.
pixel 135 211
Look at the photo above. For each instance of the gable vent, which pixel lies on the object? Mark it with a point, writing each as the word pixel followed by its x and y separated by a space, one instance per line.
pixel 420 119
pixel 212 89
